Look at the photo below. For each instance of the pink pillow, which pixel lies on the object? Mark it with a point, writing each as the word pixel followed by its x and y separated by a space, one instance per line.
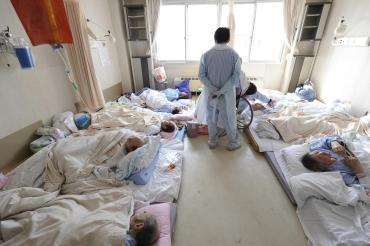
pixel 162 212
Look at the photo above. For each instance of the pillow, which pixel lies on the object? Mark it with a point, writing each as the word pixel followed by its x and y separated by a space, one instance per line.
pixel 165 214
pixel 325 185
pixel 65 122
pixel 139 159
pixel 292 156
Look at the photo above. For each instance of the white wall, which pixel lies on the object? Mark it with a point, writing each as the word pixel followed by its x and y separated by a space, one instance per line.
pixel 29 95
pixel 271 73
pixel 344 72
pixel 119 32
pixel 99 12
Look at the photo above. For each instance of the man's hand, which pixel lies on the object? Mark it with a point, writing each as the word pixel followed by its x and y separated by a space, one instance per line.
pixel 353 163
pixel 338 148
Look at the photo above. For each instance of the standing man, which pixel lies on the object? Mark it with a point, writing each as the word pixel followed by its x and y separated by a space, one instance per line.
pixel 219 71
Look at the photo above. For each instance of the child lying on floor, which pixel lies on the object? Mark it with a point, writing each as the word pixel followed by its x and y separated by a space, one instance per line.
pixel 144 230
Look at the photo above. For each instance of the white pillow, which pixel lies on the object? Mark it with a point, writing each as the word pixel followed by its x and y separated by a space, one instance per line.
pixel 292 156
pixel 323 185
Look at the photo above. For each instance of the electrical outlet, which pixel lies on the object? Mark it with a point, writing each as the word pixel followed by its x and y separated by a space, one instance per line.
pixel 351 41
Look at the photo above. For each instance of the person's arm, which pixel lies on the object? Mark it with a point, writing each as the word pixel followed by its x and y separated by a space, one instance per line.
pixel 353 163
pixel 203 76
pixel 259 96
pixel 338 148
pixel 233 79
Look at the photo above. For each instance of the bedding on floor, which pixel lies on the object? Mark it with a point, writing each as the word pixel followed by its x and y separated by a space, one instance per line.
pixel 74 205
pixel 133 118
pixel 331 213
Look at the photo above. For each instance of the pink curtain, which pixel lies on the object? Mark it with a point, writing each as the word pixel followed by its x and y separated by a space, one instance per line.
pixel 80 60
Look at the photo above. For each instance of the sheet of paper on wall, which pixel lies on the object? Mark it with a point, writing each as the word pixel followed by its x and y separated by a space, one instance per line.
pixel 104 56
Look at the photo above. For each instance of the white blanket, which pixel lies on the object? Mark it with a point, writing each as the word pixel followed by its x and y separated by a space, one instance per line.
pixel 31 216
pixel 157 100
pixel 128 117
pixel 92 210
pixel 294 128
pixel 327 185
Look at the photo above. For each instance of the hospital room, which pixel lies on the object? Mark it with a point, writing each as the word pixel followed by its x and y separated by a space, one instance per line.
pixel 185 122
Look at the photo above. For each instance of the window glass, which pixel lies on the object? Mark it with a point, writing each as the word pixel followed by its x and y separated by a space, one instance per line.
pixel 268 35
pixel 202 23
pixel 171 33
pixel 243 14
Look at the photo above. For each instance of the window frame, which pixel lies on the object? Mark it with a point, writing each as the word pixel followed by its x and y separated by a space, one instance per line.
pixel 219 4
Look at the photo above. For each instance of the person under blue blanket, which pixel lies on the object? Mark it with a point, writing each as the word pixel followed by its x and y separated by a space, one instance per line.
pixel 330 153
pixel 144 230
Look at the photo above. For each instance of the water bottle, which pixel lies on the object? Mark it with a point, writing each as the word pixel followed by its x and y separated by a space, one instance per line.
pixel 23 53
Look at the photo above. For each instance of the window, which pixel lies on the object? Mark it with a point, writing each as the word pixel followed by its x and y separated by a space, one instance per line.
pixel 268 34
pixel 171 42
pixel 186 30
pixel 202 22
pixel 244 18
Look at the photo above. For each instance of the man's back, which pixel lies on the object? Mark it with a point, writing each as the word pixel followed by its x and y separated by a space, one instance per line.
pixel 219 63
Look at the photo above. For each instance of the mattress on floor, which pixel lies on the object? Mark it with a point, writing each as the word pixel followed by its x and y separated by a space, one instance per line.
pixel 263 144
pixel 276 161
pixel 164 185
pixel 327 224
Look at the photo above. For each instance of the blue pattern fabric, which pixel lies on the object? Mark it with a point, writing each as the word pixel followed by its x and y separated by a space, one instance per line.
pixel 324 144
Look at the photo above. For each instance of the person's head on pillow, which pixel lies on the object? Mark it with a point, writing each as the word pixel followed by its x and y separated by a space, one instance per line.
pixel 252 89
pixel 144 228
pixel 133 143
pixel 168 126
pixel 175 110
pixel 317 161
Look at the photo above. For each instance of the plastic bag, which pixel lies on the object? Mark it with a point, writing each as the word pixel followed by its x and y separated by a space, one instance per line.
pixel 306 91
pixel 183 86
pixel 40 143
pixel 159 74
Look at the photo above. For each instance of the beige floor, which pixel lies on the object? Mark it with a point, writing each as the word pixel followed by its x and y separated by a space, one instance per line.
pixel 232 198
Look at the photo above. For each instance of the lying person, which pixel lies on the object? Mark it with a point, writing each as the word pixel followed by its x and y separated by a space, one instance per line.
pixel 133 143
pixel 174 94
pixel 293 128
pixel 168 129
pixel 159 102
pixel 330 153
pixel 144 230
pixel 246 90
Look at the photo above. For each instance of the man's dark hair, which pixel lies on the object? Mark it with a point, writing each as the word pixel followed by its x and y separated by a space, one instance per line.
pixel 222 35
pixel 251 89
pixel 311 163
pixel 149 234
pixel 175 111
pixel 167 126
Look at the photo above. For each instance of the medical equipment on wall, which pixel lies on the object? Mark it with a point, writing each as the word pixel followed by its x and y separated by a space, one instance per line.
pixel 16 46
